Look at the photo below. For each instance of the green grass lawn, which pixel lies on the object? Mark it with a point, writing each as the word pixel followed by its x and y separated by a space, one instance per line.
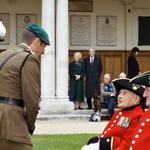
pixel 60 142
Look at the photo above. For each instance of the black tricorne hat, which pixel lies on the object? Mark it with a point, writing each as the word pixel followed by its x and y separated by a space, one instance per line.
pixel 141 79
pixel 125 84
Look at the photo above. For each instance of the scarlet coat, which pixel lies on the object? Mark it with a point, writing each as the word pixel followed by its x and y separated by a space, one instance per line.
pixel 141 137
pixel 119 131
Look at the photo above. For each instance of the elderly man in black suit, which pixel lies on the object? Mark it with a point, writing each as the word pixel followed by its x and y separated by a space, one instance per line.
pixel 93 69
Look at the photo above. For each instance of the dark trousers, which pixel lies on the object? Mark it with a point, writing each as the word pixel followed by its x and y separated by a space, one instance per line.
pixel 89 103
pixel 109 102
pixel 96 103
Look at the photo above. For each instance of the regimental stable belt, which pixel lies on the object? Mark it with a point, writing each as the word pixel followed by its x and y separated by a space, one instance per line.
pixel 11 101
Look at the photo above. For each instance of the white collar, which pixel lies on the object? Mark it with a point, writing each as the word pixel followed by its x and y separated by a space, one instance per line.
pixel 91 57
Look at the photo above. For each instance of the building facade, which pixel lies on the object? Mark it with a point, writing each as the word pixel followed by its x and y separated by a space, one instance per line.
pixel 109 26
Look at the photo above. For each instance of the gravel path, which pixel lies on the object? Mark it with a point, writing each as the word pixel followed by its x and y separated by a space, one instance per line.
pixel 68 126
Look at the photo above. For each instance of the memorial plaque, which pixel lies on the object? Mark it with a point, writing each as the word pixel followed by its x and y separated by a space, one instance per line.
pixel 80 30
pixel 22 20
pixel 106 31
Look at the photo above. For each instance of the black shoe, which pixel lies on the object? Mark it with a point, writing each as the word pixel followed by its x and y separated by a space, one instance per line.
pixel 89 108
pixel 81 108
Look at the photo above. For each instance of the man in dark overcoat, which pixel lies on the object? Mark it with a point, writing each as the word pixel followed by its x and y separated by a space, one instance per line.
pixel 20 89
pixel 93 69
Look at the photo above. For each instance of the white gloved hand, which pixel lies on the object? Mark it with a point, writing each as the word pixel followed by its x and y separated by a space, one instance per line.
pixel 93 146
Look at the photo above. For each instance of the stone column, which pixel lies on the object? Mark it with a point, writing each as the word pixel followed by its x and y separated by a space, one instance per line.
pixel 62 54
pixel 48 59
pixel 54 78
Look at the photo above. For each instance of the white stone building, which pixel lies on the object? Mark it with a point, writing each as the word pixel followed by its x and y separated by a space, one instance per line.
pixel 60 23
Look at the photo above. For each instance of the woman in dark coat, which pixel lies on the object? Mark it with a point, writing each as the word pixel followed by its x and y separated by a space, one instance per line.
pixel 133 66
pixel 77 72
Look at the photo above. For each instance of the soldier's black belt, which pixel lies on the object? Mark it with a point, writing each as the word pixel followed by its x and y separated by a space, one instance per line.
pixel 11 101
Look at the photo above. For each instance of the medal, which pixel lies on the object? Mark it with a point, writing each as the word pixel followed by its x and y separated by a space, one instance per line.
pixel 124 122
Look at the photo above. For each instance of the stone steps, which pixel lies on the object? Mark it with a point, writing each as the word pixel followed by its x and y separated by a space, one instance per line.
pixel 76 114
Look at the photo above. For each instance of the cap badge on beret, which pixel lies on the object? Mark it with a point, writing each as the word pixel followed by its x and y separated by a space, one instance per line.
pixel 135 87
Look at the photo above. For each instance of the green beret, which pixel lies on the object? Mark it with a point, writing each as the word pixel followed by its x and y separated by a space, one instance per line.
pixel 39 32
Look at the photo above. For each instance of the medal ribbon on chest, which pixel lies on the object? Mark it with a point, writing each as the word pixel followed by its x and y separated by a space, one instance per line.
pixel 124 122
